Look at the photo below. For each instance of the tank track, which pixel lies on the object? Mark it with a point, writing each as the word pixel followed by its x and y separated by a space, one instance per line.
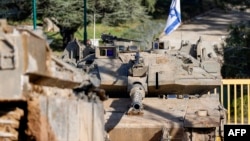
pixel 10 123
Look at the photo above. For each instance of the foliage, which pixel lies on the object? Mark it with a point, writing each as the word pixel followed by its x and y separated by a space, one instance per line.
pixel 113 12
pixel 238 2
pixel 15 9
pixel 233 102
pixel 236 63
pixel 237 52
pixel 238 108
pixel 66 12
pixel 239 35
pixel 160 9
pixel 19 10
pixel 149 4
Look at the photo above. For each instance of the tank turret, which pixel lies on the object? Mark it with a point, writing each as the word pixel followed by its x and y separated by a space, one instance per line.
pixel 40 94
pixel 187 73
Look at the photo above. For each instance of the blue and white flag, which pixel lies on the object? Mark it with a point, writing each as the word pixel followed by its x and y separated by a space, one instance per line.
pixel 174 17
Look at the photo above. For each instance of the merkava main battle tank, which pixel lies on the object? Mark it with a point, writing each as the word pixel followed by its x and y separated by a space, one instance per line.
pixel 164 93
pixel 43 98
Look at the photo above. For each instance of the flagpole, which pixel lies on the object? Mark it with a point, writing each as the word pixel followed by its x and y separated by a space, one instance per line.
pixel 181 22
pixel 94 22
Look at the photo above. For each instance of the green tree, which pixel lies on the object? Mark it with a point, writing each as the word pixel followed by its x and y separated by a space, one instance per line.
pixel 115 12
pixel 67 14
pixel 242 3
pixel 15 10
pixel 239 35
pixel 237 51
pixel 238 2
pixel 150 5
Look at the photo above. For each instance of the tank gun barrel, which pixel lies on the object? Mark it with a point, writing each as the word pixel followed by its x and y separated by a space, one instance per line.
pixel 137 93
pixel 136 100
pixel 108 38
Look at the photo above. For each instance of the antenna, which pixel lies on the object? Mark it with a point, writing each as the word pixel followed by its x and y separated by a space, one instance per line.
pixel 181 33
pixel 181 25
pixel 94 26
pixel 94 21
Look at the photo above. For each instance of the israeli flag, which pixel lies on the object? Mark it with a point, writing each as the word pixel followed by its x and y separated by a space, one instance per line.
pixel 174 17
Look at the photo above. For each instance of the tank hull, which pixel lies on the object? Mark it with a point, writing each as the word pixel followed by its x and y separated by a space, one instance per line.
pixel 43 98
pixel 121 90
pixel 170 117
pixel 179 89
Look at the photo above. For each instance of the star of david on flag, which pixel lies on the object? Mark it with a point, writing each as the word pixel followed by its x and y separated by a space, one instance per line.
pixel 174 17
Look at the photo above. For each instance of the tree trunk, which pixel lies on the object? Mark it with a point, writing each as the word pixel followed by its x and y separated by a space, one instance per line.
pixel 216 3
pixel 200 2
pixel 68 35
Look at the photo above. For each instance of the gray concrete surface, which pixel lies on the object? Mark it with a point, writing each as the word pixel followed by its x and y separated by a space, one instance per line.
pixel 211 26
